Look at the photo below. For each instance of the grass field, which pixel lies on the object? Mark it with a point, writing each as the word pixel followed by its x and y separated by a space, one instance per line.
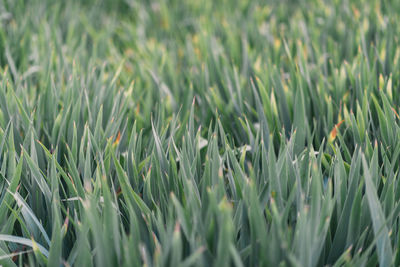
pixel 199 133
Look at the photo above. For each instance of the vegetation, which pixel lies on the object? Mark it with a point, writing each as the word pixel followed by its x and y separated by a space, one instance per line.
pixel 191 133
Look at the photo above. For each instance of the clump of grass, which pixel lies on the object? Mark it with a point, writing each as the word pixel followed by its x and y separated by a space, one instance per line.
pixel 170 133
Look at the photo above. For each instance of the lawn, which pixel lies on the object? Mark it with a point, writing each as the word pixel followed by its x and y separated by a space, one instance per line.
pixel 199 133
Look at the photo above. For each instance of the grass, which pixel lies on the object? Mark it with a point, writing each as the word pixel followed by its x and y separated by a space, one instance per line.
pixel 197 133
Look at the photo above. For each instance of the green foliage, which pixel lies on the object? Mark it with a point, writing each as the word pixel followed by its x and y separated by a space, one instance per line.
pixel 198 133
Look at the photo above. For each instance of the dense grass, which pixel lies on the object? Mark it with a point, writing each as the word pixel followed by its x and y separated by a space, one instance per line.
pixel 191 133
